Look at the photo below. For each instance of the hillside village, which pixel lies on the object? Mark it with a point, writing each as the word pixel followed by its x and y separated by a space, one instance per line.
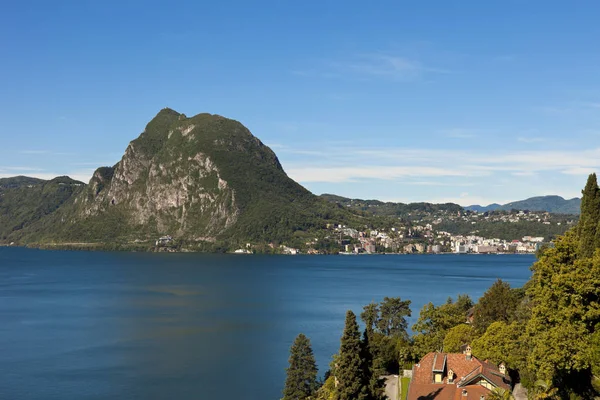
pixel 441 232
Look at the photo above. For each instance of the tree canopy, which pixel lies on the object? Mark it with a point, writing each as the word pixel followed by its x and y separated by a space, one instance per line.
pixel 301 381
pixel 498 303
pixel 435 321
pixel 349 369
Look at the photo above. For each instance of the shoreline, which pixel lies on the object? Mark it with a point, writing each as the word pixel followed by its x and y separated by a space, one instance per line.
pixel 102 247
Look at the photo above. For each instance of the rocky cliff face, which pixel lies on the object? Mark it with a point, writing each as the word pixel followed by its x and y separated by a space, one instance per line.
pixel 186 177
pixel 204 179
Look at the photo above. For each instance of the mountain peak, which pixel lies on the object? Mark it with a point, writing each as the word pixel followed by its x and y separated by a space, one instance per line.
pixel 551 203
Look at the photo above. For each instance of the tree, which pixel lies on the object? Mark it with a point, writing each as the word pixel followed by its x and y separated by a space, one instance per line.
pixel 542 390
pixel 500 394
pixel 372 365
pixel 349 369
pixel 458 336
pixel 301 380
pixel 392 320
pixel 565 292
pixel 587 229
pixel 370 315
pixel 498 303
pixel 502 342
pixel 595 352
pixel 385 333
pixel 327 391
pixel 434 322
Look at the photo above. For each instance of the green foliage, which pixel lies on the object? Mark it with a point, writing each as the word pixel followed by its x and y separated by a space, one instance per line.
pixel 24 201
pixel 435 322
pixel 404 382
pixel 588 229
pixel 595 351
pixel 503 342
pixel 565 290
pixel 372 365
pixel 349 369
pixel 389 209
pixel 370 315
pixel 301 380
pixel 553 204
pixel 565 311
pixel 498 303
pixel 386 327
pixel 327 390
pixel 500 394
pixel 458 336
pixel 542 390
pixel 392 317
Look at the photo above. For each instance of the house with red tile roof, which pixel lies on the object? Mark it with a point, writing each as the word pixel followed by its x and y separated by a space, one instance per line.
pixel 456 376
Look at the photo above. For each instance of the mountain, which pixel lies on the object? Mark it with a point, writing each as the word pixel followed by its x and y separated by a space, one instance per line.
pixel 390 209
pixel 203 180
pixel 478 208
pixel 24 200
pixel 553 204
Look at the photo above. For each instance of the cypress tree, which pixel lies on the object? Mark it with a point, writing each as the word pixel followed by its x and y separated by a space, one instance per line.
pixel 589 219
pixel 350 366
pixel 301 380
pixel 372 366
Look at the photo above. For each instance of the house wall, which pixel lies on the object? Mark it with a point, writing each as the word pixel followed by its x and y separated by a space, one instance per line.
pixel 486 384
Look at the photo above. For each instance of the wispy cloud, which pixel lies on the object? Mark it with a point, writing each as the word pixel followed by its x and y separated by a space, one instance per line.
pixel 19 169
pixel 356 173
pixel 373 66
pixel 461 133
pixel 572 107
pixel 40 152
pixel 525 139
pixel 593 105
pixel 351 165
pixel 34 152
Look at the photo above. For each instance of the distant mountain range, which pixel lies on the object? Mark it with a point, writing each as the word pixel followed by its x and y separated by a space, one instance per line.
pixel 553 204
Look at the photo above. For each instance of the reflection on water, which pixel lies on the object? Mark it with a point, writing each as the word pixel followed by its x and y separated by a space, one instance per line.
pixel 152 326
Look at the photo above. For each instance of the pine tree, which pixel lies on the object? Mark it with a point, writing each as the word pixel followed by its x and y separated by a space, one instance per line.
pixel 350 365
pixel 301 380
pixel 589 220
pixel 372 365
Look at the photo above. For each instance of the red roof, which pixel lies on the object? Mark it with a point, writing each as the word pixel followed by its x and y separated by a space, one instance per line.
pixel 446 392
pixel 439 362
pixel 467 372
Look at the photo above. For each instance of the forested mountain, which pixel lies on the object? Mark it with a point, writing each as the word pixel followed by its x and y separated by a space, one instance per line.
pixel 391 209
pixel 553 204
pixel 204 180
pixel 24 201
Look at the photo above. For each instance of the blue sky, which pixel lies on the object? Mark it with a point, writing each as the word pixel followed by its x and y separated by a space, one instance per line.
pixel 470 101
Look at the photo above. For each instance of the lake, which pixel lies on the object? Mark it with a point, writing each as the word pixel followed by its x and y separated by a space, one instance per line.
pixel 99 325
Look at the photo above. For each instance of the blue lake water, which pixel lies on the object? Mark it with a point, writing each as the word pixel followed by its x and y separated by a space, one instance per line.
pixel 95 325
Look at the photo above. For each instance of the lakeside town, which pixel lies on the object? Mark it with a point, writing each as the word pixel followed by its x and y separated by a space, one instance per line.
pixel 426 233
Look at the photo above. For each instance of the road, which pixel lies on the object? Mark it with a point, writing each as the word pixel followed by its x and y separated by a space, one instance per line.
pixel 391 386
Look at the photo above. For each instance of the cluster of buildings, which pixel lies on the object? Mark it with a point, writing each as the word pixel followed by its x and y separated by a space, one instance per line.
pixel 423 239
pixel 473 217
pixel 480 245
